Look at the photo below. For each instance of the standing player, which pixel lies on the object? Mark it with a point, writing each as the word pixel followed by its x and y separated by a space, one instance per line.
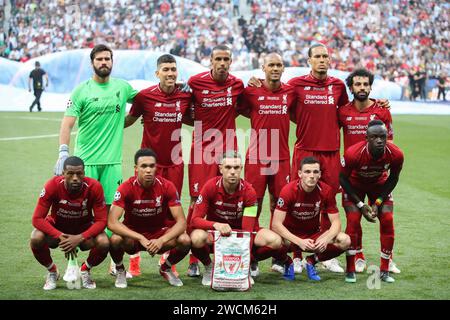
pixel 147 200
pixel 163 107
pixel 99 105
pixel 38 84
pixel 268 156
pixel 229 203
pixel 297 217
pixel 365 172
pixel 318 97
pixel 354 118
pixel 215 95
pixel 77 218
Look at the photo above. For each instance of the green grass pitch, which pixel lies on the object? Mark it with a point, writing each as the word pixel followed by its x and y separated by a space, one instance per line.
pixel 422 223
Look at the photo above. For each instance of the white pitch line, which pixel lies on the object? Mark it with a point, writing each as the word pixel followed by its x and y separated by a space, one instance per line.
pixel 32 137
pixel 31 118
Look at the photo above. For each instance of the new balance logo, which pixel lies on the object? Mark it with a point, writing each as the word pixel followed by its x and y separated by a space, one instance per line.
pixel 205 91
pixel 307 88
pixel 117 108
pixel 349 119
pixel 260 98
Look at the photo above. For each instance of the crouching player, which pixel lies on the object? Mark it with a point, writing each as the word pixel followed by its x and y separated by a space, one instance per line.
pixel 77 219
pixel 297 217
pixel 228 203
pixel 147 200
pixel 365 172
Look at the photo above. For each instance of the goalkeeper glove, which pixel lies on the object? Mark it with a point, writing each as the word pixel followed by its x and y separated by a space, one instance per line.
pixel 63 155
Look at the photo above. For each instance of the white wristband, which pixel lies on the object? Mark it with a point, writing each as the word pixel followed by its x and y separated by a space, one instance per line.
pixel 360 204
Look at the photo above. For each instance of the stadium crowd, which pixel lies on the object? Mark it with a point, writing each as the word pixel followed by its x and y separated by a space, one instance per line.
pixel 398 39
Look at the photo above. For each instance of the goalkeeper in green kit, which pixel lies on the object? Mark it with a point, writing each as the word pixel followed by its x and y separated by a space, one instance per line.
pixel 99 105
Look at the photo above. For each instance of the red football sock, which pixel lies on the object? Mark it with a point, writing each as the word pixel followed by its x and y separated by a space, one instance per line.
pixel 312 259
pixel 263 253
pixel 350 258
pixel 96 256
pixel 297 254
pixel 192 259
pixel 282 256
pixel 202 254
pixel 42 255
pixel 176 255
pixel 116 254
pixel 386 238
pixel 330 252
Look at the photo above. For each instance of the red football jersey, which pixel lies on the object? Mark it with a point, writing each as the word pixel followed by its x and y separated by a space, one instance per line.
pixel 69 211
pixel 303 209
pixel 146 210
pixel 316 112
pixel 362 169
pixel 269 116
pixel 217 205
pixel 354 122
pixel 162 114
pixel 215 106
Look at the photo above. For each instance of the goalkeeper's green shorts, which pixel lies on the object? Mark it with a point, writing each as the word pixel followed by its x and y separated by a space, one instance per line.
pixel 109 175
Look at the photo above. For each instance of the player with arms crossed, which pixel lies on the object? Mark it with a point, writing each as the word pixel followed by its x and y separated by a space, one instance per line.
pixel 365 172
pixel 354 118
pixel 147 199
pixel 99 105
pixel 267 162
pixel 229 203
pixel 297 217
pixel 215 94
pixel 77 219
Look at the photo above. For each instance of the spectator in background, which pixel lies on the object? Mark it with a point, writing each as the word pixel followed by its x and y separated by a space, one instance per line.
pixel 181 26
pixel 441 86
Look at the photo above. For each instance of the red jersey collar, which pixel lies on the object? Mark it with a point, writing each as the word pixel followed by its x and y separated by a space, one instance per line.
pixel 165 93
pixel 269 90
pixel 300 188
pixel 367 109
pixel 212 78
pixel 317 79
pixel 222 189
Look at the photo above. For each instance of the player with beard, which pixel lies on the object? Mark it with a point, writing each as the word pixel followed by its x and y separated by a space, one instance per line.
pixel 99 105
pixel 77 219
pixel 354 118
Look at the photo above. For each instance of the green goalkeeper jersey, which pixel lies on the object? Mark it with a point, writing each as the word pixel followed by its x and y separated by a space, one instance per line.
pixel 100 109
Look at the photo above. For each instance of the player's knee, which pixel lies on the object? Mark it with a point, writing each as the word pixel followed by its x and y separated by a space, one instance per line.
pixel 115 241
pixel 37 239
pixel 274 241
pixel 184 240
pixel 198 238
pixel 344 241
pixel 102 243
